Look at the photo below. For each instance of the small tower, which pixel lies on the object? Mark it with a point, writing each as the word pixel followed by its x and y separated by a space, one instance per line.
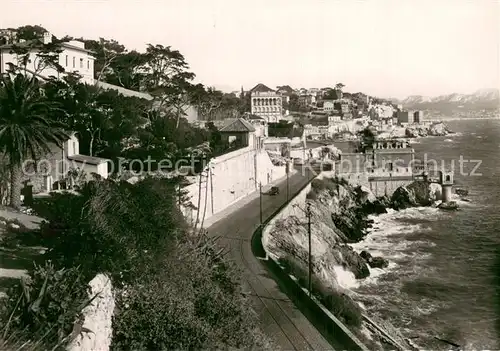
pixel 446 181
pixel 47 38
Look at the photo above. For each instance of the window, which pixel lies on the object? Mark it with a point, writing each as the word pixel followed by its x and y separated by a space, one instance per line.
pixel 66 60
pixel 81 63
pixel 74 148
pixel 88 64
pixel 73 61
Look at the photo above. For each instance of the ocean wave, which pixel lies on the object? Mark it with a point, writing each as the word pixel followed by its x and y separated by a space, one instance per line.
pixel 448 140
pixel 345 278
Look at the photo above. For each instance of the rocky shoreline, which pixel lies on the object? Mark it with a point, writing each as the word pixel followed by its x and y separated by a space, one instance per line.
pixel 341 217
pixel 434 129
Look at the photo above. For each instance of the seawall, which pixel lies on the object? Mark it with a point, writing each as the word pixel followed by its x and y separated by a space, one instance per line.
pixel 329 325
pixel 379 183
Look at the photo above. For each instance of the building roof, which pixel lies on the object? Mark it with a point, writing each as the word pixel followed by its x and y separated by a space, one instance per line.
pixel 255 117
pixel 27 42
pixel 233 125
pixel 88 159
pixel 123 91
pixel 237 125
pixel 261 88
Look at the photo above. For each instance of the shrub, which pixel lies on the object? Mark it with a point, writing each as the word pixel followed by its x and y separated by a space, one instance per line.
pixel 45 307
pixel 343 307
pixel 175 290
pixel 193 301
pixel 294 267
pixel 115 228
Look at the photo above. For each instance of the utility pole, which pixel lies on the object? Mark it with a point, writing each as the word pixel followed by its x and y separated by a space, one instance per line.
pixel 287 185
pixel 260 202
pixel 308 213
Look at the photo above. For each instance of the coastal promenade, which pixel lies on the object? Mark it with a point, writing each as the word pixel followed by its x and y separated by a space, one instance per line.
pixel 279 317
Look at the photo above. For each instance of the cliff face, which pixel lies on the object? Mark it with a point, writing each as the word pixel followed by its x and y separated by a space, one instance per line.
pixel 339 214
pixel 337 218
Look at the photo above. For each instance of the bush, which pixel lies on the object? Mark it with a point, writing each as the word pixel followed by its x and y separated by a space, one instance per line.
pixel 114 228
pixel 175 290
pixel 46 306
pixel 343 307
pixel 192 302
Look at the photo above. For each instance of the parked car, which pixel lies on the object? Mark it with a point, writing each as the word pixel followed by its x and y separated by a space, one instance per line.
pixel 274 191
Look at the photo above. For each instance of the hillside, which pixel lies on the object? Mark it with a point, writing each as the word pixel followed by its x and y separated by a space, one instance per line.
pixel 484 99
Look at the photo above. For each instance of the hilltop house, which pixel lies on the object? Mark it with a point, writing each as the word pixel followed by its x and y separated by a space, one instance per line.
pixel 73 58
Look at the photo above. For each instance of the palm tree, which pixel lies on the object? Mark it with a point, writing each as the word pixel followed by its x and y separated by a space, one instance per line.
pixel 339 86
pixel 27 128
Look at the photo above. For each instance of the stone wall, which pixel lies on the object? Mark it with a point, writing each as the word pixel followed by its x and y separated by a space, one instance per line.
pixel 296 207
pixel 380 183
pixel 229 178
pixel 387 187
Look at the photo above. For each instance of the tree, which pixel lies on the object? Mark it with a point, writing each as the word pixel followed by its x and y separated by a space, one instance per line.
pixel 106 52
pixel 339 86
pixel 368 137
pixel 27 129
pixel 29 32
pixel 167 78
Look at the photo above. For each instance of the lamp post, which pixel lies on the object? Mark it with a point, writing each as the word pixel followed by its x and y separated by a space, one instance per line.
pixel 308 214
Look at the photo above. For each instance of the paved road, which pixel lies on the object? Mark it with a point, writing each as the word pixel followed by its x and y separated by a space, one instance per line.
pixel 279 317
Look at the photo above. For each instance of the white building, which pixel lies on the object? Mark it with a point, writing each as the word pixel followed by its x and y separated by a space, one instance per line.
pixel 266 103
pixel 74 58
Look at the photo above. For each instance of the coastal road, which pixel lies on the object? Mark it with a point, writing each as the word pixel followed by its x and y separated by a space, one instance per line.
pixel 280 319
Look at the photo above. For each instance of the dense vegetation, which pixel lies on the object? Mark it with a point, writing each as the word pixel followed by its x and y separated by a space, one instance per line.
pixel 174 287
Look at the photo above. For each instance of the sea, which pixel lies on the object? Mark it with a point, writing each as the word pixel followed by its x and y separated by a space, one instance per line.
pixel 443 280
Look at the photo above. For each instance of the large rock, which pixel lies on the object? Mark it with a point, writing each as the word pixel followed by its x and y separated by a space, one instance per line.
pixel 353 262
pixel 415 194
pixel 403 198
pixel 378 262
pixel 374 262
pixel 97 318
pixel 449 206
pixel 438 129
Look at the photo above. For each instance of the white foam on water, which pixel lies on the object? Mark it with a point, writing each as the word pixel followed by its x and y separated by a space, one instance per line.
pixel 386 238
pixel 345 278
pixel 448 140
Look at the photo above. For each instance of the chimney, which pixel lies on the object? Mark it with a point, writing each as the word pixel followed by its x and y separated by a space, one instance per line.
pixel 47 38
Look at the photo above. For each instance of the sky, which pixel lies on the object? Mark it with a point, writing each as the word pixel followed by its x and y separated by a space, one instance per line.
pixel 386 48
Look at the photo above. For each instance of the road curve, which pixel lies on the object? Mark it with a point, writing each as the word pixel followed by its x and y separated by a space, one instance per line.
pixel 279 317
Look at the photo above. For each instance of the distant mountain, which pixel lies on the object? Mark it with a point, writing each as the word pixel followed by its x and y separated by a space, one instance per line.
pixel 487 99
